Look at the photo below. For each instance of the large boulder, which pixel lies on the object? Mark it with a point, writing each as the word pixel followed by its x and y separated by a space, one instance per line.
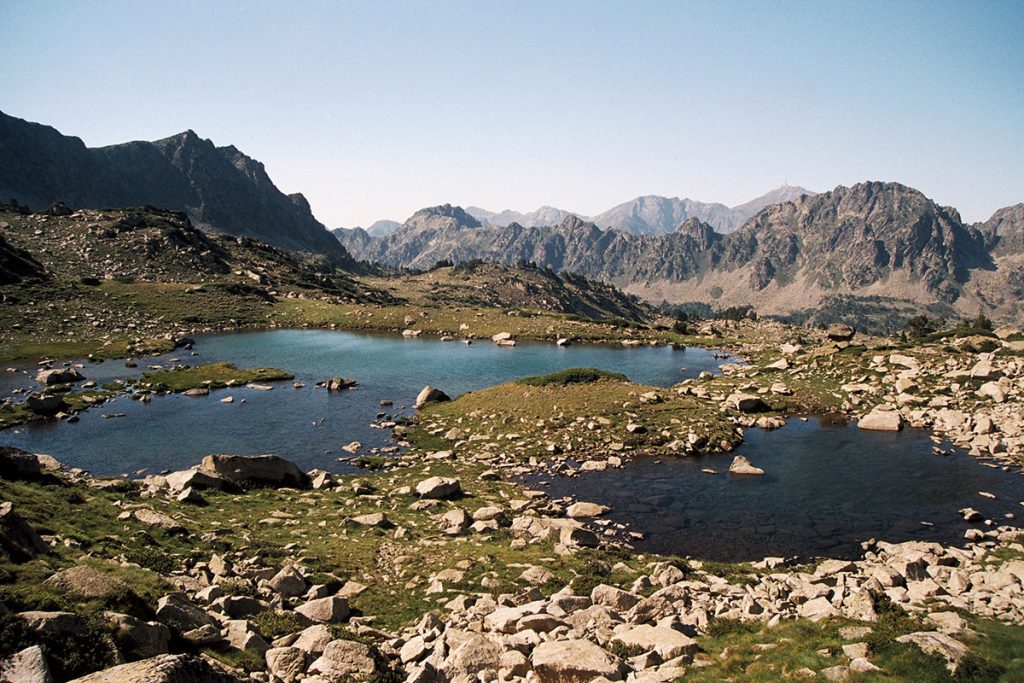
pixel 439 487
pixel 18 464
pixel 18 540
pixel 573 661
pixel 181 614
pixel 255 470
pixel 840 332
pixel 344 660
pixel 85 581
pixel 287 663
pixel 667 642
pixel 430 395
pixel 162 669
pixel 139 639
pixel 882 420
pixel 745 403
pixel 58 376
pixel 936 643
pixel 325 610
pixel 27 666
pixel 45 404
pixel 194 479
pixel 740 465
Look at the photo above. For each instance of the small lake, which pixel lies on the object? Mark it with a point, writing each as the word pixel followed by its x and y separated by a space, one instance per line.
pixel 309 426
pixel 826 488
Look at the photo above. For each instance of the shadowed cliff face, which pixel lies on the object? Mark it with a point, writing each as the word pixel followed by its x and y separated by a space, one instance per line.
pixel 1004 231
pixel 878 238
pixel 220 188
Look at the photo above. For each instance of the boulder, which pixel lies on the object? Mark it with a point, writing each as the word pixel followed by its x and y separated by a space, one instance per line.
pixel 162 669
pixel 740 465
pixel 501 336
pixel 18 540
pixel 286 663
pixel 27 666
pixel 344 660
pixel 85 581
pixel 45 404
pixel 474 655
pixel 840 332
pixel 181 614
pixel 573 661
pixel 935 643
pixel 374 519
pixel 584 510
pixel 430 395
pixel 58 376
pixel 288 582
pixel 139 639
pixel 194 479
pixel 745 403
pixel 57 624
pixel 340 384
pixel 817 609
pixel 572 536
pixel 667 642
pixel 439 487
pixel 18 464
pixel 325 610
pixel 255 470
pixel 881 420
pixel 314 640
pixel 613 597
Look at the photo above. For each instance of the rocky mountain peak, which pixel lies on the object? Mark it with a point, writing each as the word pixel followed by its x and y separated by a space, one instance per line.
pixel 443 216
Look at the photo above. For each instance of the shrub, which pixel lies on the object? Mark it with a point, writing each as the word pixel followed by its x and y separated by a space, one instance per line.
pixel 572 376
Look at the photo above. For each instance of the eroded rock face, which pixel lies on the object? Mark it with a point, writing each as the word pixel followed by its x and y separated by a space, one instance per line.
pixel 255 470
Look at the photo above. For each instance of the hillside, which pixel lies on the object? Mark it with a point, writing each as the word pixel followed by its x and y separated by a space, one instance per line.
pixel 855 251
pixel 525 287
pixel 219 188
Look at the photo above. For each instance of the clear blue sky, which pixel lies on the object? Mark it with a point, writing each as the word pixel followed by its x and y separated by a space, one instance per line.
pixel 376 109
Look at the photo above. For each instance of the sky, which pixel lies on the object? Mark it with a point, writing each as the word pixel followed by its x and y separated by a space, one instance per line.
pixel 376 109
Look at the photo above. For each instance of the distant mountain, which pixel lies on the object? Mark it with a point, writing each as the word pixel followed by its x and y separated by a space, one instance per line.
pixel 220 188
pixel 786 193
pixel 654 215
pixel 867 241
pixel 545 215
pixel 383 227
pixel 648 215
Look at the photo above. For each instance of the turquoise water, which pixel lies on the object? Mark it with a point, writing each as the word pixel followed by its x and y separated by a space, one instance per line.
pixel 308 425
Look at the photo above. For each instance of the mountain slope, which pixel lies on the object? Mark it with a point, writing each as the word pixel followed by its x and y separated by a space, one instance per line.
pixel 870 240
pixel 220 188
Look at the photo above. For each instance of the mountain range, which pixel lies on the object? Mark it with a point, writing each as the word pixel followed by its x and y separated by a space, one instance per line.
pixel 851 252
pixel 219 188
pixel 874 245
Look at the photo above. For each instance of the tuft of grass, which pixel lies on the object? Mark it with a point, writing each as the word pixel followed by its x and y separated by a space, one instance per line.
pixel 572 376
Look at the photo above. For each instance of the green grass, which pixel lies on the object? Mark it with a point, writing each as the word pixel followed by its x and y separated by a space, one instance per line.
pixel 210 375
